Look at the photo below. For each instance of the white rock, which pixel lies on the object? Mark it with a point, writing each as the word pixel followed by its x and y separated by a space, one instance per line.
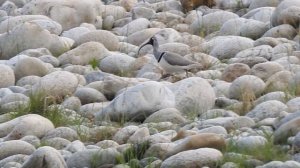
pixel 13 98
pixel 107 144
pixel 123 134
pixel 50 25
pixel 45 156
pixel 147 98
pixel 65 12
pixel 279 164
pixel 29 36
pixel 75 33
pixel 250 142
pixel 57 84
pixel 14 147
pixel 211 22
pixel 84 158
pixel 280 96
pixel 75 146
pixel 24 68
pixel 264 51
pixel 117 12
pixel 263 14
pixel 108 39
pixel 254 29
pixel 216 48
pixel 134 26
pixel 10 23
pixel 246 85
pixel 267 109
pixel 193 95
pixel 28 80
pixel 159 150
pixel 20 158
pixel 281 17
pixel 7 76
pixel 293 105
pixel 139 37
pixel 62 132
pixel 282 31
pixel 50 59
pixel 118 63
pixel 194 158
pixel 280 81
pixel 83 54
pixel 235 70
pixel 265 70
pixel 89 95
pixel 263 3
pixel 139 136
pixel 168 114
pixel 25 125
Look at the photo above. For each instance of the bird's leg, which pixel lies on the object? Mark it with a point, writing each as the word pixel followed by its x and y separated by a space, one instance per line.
pixel 186 73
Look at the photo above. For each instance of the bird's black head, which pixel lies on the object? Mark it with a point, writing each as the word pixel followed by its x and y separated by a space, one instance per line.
pixel 150 41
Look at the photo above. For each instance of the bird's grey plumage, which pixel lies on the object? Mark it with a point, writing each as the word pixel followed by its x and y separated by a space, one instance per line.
pixel 169 61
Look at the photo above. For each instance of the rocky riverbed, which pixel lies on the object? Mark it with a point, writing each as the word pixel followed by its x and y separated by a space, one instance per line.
pixel 76 90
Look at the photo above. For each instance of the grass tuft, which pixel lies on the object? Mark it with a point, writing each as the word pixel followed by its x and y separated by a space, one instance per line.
pixel 46 107
pixel 135 152
pixel 94 63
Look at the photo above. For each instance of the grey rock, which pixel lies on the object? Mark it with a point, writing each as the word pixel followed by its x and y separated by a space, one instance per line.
pixel 190 95
pixel 24 68
pixel 161 97
pixel 265 70
pixel 56 10
pixel 123 134
pixel 89 95
pixel 193 158
pixel 119 64
pixel 25 125
pixel 267 109
pixel 10 148
pixel 247 85
pixel 75 33
pixel 108 39
pixel 50 59
pixel 282 31
pixel 56 84
pixel 14 41
pixel 20 158
pixel 45 156
pixel 86 157
pixel 75 146
pixel 168 114
pixel 7 75
pixel 62 132
pixel 84 54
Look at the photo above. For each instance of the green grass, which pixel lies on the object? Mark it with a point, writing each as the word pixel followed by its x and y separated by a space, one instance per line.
pixel 94 63
pixel 133 154
pixel 46 107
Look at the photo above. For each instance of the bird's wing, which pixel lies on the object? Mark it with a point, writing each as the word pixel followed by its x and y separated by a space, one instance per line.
pixel 175 59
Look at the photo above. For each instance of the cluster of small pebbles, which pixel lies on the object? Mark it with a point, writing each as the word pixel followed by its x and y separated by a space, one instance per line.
pixel 83 55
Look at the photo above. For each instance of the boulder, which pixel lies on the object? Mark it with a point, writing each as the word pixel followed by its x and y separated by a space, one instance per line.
pixel 193 96
pixel 147 98
pixel 30 36
pixel 56 84
pixel 45 156
pixel 84 54
pixel 194 158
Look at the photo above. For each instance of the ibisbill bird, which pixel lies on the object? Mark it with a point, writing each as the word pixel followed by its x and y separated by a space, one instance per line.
pixel 169 61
